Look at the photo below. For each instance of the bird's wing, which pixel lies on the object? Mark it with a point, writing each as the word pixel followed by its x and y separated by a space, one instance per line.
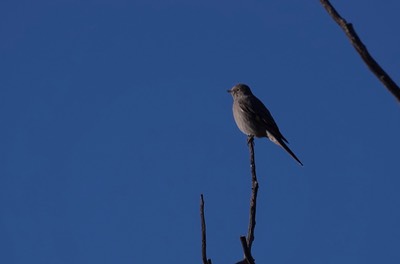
pixel 257 111
pixel 261 114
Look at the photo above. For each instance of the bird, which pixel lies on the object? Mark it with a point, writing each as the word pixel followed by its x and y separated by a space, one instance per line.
pixel 254 119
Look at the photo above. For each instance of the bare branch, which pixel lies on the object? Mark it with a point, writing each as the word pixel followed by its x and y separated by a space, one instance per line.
pixel 362 50
pixel 254 192
pixel 247 243
pixel 203 233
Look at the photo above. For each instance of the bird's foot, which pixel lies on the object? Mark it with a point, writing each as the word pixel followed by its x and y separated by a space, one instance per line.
pixel 250 139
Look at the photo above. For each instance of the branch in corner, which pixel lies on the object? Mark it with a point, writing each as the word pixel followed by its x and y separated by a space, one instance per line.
pixel 362 50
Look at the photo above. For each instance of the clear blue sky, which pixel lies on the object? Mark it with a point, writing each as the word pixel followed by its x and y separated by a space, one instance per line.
pixel 115 117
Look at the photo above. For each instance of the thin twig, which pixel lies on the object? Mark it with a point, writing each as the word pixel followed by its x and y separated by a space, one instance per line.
pixel 203 233
pixel 362 50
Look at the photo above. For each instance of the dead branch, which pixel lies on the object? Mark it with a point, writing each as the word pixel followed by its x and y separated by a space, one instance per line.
pixel 247 243
pixel 254 192
pixel 362 50
pixel 203 233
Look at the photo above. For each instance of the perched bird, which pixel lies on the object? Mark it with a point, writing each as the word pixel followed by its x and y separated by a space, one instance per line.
pixel 254 119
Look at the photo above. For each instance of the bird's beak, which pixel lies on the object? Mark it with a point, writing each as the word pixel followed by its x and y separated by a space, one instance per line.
pixel 229 91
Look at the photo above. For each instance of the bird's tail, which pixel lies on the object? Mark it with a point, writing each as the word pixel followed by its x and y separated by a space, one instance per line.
pixel 283 145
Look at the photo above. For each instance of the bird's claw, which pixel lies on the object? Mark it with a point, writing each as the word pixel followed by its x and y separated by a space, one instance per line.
pixel 250 139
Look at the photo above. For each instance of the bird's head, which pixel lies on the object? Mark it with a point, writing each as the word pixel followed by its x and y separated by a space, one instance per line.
pixel 239 90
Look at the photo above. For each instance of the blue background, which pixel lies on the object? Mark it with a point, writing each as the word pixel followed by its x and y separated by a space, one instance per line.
pixel 115 117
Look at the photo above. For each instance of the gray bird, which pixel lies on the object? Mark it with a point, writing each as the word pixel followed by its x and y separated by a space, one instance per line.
pixel 254 119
